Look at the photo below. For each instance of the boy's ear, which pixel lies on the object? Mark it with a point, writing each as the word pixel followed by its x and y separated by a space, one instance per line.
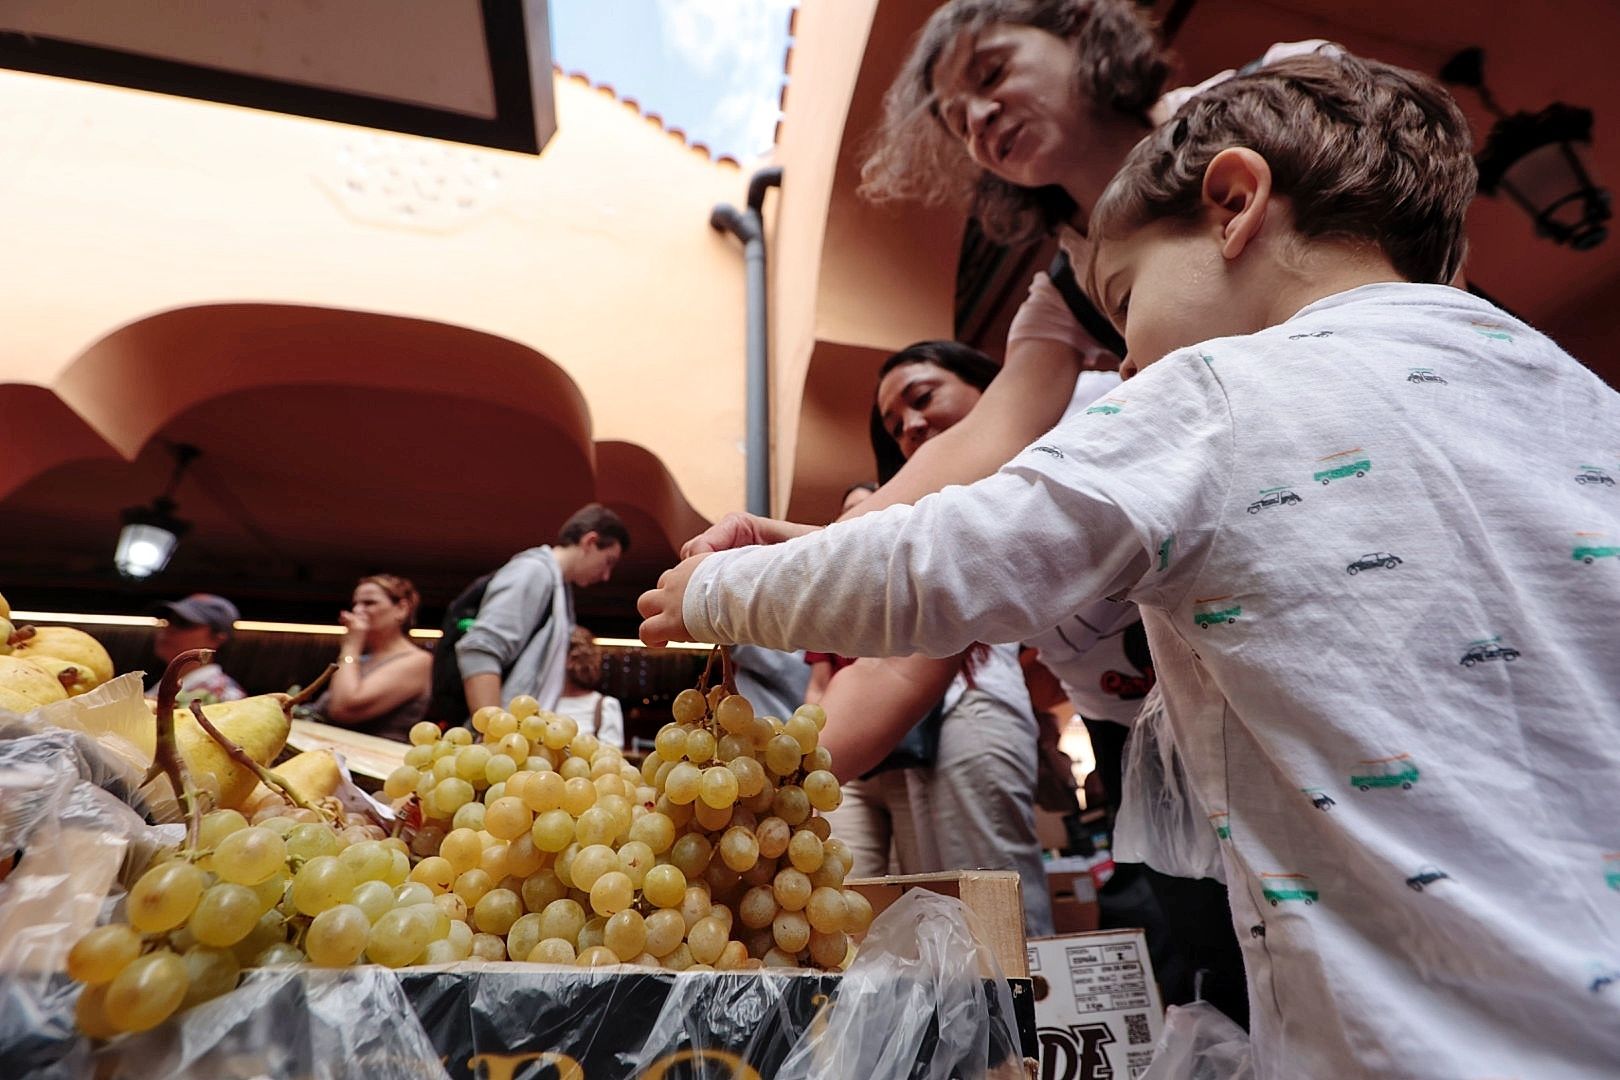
pixel 1237 189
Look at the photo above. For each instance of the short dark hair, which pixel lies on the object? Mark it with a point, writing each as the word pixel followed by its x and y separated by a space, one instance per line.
pixel 1362 151
pixel 597 519
pixel 1118 64
pixel 964 361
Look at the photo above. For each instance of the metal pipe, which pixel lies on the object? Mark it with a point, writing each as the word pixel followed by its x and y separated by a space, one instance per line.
pixel 748 226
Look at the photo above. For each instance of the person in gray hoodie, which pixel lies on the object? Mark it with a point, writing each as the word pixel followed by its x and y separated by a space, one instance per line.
pixel 519 642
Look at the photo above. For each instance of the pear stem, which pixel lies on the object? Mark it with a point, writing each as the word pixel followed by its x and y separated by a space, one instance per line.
pixel 21 634
pixel 166 757
pixel 311 690
pixel 266 776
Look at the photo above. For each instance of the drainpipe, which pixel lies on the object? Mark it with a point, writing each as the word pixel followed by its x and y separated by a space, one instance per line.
pixel 748 226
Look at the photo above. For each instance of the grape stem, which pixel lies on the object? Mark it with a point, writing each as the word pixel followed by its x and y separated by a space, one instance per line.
pixel 708 668
pixel 267 777
pixel 728 670
pixel 309 691
pixel 166 759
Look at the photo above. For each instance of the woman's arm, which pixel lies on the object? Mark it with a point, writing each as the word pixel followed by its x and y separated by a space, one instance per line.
pixel 821 673
pixel 356 698
pixel 871 705
pixel 1026 399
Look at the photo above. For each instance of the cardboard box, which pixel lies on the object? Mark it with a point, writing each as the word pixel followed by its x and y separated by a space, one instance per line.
pixel 1097 1007
pixel 994 897
pixel 1074 901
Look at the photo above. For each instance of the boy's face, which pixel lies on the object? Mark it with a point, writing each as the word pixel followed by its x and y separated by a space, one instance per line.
pixel 1166 286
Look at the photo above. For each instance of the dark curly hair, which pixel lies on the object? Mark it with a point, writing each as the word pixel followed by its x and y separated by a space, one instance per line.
pixel 1119 65
pixel 1363 151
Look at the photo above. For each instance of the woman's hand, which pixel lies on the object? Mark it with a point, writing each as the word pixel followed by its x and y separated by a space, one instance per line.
pixel 742 530
pixel 661 608
pixel 356 625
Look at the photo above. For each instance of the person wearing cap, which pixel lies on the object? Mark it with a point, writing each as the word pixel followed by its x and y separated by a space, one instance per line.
pixel 200 621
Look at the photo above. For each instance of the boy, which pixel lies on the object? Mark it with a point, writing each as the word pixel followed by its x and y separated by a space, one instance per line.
pixel 518 642
pixel 1345 500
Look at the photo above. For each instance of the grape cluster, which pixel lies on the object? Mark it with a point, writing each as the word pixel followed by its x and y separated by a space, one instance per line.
pixel 528 840
pixel 290 888
pixel 709 856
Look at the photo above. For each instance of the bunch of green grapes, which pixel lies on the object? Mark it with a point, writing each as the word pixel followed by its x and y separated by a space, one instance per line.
pixel 283 891
pixel 710 855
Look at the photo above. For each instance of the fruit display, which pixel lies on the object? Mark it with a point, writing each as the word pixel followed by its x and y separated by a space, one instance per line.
pixel 520 839
pixel 44 665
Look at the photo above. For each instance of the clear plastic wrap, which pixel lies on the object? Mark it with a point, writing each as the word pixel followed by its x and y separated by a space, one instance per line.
pixel 921 977
pixel 69 838
pixel 1200 1043
pixel 1161 821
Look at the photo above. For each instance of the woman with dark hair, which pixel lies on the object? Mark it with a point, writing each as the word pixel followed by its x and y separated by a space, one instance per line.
pixel 959 791
pixel 382 682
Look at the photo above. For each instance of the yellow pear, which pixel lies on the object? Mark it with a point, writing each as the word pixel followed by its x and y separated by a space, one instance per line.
pixel 314 774
pixel 5 608
pixel 74 679
pixel 29 681
pixel 75 647
pixel 6 630
pixel 259 725
pixel 11 701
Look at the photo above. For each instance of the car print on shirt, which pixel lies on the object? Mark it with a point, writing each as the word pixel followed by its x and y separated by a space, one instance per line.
pixel 1215 610
pixel 1222 822
pixel 1319 798
pixel 1165 548
pixel 1488 649
pixel 1278 888
pixel 1049 450
pixel 1591 474
pixel 1277 496
pixel 1494 331
pixel 1588 550
pixel 1426 875
pixel 1611 870
pixel 1316 334
pixel 1344 463
pixel 1373 561
pixel 1398 771
pixel 1602 978
pixel 1423 375
pixel 1108 406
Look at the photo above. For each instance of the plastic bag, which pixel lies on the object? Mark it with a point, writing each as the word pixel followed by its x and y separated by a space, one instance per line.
pixel 69 836
pixel 1200 1042
pixel 921 974
pixel 1161 821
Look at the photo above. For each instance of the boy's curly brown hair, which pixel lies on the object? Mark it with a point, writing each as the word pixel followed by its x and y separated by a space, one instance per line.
pixel 1119 65
pixel 1363 151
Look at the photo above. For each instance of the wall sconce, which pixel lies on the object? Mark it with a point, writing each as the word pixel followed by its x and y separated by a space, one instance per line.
pixel 1537 159
pixel 151 533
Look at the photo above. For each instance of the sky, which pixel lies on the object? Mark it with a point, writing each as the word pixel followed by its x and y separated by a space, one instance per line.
pixel 712 68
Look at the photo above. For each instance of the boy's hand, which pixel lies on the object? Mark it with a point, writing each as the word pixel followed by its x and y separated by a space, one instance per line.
pixel 742 530
pixel 660 608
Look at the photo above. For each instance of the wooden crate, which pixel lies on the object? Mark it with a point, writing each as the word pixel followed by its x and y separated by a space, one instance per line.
pixel 994 896
pixel 368 756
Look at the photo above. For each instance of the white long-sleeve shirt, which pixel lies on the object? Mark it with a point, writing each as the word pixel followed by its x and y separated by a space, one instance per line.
pixel 1377 549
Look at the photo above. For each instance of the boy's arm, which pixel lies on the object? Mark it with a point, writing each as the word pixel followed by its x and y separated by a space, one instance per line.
pixel 1071 520
pixel 873 703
